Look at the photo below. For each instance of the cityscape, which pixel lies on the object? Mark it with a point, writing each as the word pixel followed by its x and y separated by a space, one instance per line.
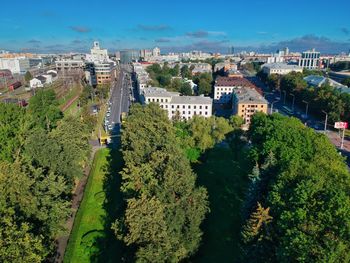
pixel 175 132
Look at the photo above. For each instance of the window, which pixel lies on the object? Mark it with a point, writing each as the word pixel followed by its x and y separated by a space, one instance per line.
pixel 194 106
pixel 157 100
pixel 183 106
pixel 200 113
pixel 262 106
pixel 206 107
pixel 200 107
pixel 172 106
pixel 206 113
pixel 189 112
pixel 189 106
pixel 183 112
pixel 242 110
pixel 172 112
pixel 195 113
pixel 161 100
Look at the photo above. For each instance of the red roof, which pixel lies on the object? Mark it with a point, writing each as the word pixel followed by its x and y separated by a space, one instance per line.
pixel 236 81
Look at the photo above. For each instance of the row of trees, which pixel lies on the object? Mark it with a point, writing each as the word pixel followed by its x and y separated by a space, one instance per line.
pixel 298 204
pixel 324 98
pixel 41 156
pixel 173 79
pixel 164 207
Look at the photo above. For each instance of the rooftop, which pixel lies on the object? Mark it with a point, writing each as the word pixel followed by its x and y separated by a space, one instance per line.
pixel 280 65
pixel 248 95
pixel 233 81
pixel 317 81
pixel 175 96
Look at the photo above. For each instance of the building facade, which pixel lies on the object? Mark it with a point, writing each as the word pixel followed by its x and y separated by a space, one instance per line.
pixel 310 59
pixel 280 68
pixel 225 86
pixel 246 102
pixel 182 107
pixel 128 56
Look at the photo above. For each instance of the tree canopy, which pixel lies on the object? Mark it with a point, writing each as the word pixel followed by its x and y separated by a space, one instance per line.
pixel 302 211
pixel 164 206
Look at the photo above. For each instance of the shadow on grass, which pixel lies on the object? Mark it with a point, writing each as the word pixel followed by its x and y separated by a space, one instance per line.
pixel 223 171
pixel 106 246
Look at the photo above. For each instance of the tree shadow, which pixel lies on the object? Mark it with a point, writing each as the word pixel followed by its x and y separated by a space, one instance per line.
pixel 107 247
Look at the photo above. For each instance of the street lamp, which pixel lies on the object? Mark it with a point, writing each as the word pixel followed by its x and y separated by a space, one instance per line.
pixel 307 107
pixel 325 122
pixel 285 94
pixel 272 105
pixel 293 101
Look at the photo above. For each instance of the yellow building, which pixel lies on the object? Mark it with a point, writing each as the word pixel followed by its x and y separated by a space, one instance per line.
pixel 246 102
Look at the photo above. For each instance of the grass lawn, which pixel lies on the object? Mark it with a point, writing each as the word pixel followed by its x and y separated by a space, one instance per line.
pixel 224 174
pixel 92 239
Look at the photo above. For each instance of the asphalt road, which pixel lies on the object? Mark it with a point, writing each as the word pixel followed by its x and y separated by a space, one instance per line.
pixel 120 99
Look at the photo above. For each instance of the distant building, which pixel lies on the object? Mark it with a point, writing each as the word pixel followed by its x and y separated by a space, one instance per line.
pixel 246 102
pixel 318 81
pixel 231 50
pixel 276 58
pixel 15 65
pixel 97 53
pixel 128 56
pixel 280 68
pixel 183 107
pixel 310 59
pixel 156 52
pixel 225 86
pixel 69 64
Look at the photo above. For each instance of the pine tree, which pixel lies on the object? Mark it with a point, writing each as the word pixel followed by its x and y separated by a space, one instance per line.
pixel 257 221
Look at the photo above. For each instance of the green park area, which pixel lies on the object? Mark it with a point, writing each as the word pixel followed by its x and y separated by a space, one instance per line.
pixel 92 238
pixel 224 174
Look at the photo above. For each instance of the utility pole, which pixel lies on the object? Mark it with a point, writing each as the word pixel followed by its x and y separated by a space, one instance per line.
pixel 307 107
pixel 325 122
pixel 342 139
pixel 293 101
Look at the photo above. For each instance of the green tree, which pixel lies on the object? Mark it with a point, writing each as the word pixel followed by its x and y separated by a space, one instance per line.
pixel 13 126
pixel 306 184
pixel 28 76
pixel 43 109
pixel 346 82
pixel 273 81
pixel 186 72
pixel 164 206
pixel 186 89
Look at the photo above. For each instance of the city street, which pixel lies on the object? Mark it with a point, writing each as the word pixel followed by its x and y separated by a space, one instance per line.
pixel 120 98
pixel 299 112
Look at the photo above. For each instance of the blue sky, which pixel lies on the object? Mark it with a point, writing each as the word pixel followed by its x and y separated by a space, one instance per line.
pixel 59 26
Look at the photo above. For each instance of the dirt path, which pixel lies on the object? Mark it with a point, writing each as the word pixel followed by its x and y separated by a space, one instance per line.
pixel 62 241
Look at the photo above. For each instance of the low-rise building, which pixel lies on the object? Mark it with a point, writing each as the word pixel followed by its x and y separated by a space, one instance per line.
pixel 280 68
pixel 246 102
pixel 225 86
pixel 310 59
pixel 318 81
pixel 69 64
pixel 182 107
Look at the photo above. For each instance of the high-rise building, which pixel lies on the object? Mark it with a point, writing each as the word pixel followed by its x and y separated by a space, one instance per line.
pixel 231 50
pixel 286 51
pixel 310 59
pixel 156 52
pixel 129 55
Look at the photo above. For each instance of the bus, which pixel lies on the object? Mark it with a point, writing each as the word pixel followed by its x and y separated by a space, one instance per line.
pixel 123 117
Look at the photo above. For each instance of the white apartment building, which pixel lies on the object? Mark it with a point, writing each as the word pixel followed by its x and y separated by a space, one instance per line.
pixel 18 65
pixel 97 53
pixel 69 64
pixel 310 59
pixel 280 68
pixel 184 107
pixel 156 52
pixel 225 86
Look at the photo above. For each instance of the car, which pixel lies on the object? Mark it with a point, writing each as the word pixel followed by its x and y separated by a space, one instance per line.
pixel 110 127
pixel 108 114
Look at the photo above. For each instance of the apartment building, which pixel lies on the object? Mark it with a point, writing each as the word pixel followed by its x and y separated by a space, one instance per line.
pixel 310 59
pixel 69 64
pixel 183 107
pixel 246 102
pixel 225 86
pixel 280 68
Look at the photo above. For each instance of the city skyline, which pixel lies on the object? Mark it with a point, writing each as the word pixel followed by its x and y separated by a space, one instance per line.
pixel 196 25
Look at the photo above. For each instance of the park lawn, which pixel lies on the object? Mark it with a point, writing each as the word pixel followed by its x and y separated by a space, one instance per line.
pixel 224 174
pixel 92 238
